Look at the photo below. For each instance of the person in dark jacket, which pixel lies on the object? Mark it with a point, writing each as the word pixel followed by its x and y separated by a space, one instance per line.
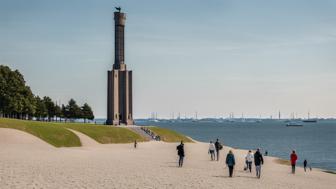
pixel 218 146
pixel 305 162
pixel 230 162
pixel 293 158
pixel 180 153
pixel 258 161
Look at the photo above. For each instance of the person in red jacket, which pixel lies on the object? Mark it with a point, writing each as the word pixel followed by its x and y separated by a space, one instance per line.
pixel 293 158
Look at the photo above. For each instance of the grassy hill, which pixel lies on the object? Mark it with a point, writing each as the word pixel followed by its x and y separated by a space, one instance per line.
pixel 105 134
pixel 49 132
pixel 169 135
pixel 58 135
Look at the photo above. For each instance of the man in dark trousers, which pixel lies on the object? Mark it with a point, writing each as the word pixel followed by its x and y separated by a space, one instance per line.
pixel 293 158
pixel 218 146
pixel 180 153
pixel 305 162
pixel 258 161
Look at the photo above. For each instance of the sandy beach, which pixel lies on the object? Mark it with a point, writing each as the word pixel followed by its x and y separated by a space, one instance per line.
pixel 28 162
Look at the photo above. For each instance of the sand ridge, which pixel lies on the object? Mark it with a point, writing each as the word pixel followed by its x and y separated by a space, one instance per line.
pixel 13 137
pixel 85 140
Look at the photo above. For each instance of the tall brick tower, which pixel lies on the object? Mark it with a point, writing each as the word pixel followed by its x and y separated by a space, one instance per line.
pixel 119 80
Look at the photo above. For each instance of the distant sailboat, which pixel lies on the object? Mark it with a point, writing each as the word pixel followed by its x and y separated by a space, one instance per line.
pixel 294 122
pixel 310 120
pixel 196 118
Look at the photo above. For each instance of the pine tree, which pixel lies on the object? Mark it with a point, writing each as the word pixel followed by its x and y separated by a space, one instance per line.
pixel 87 113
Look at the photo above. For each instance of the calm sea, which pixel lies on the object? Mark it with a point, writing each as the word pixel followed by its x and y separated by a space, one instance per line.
pixel 315 142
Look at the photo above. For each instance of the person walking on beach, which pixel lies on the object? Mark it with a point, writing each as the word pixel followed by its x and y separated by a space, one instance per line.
pixel 305 165
pixel 218 146
pixel 230 162
pixel 293 158
pixel 135 144
pixel 249 159
pixel 211 151
pixel 180 153
pixel 258 161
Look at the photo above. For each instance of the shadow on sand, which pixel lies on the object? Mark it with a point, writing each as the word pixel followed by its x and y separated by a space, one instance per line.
pixel 235 176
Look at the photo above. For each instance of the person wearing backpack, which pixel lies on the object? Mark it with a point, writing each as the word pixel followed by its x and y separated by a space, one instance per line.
pixel 218 146
pixel 180 153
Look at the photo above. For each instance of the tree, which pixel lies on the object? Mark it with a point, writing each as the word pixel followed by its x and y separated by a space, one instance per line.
pixel 50 105
pixel 65 112
pixel 74 110
pixel 29 104
pixel 87 112
pixel 41 109
pixel 58 112
pixel 16 99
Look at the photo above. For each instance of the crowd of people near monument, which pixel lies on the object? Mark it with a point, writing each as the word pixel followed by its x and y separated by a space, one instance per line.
pixel 151 133
pixel 230 161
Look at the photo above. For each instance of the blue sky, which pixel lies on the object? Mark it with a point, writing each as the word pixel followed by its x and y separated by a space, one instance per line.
pixel 213 57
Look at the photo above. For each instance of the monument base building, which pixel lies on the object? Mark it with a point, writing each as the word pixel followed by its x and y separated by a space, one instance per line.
pixel 119 80
pixel 119 99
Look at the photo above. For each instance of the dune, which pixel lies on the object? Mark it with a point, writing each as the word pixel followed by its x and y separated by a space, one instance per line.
pixel 20 139
pixel 84 139
pixel 28 162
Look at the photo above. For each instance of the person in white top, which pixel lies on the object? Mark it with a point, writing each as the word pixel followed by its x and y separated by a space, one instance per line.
pixel 212 149
pixel 249 160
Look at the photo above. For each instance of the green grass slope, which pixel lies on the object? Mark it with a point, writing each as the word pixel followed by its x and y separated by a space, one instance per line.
pixel 169 135
pixel 106 134
pixel 49 132
pixel 58 135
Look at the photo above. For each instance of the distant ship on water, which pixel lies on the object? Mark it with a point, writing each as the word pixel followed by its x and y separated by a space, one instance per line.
pixel 294 124
pixel 309 120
